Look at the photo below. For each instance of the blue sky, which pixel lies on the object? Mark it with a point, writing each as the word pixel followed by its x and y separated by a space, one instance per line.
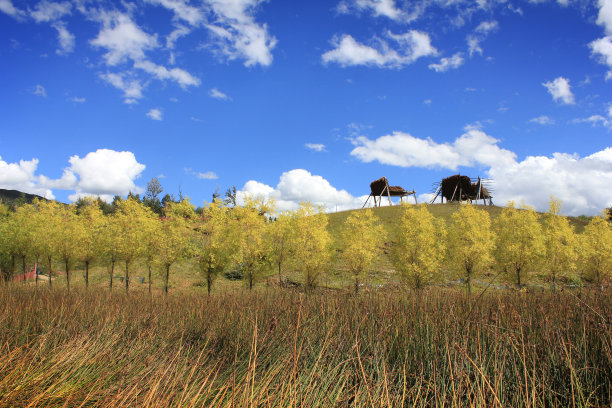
pixel 307 100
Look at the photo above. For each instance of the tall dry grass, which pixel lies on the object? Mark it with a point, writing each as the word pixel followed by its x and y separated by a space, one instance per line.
pixel 288 349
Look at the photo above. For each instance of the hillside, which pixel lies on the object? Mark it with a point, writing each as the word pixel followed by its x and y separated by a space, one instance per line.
pixel 11 196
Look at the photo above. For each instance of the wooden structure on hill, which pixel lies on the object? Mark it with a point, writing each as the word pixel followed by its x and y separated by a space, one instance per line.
pixel 461 188
pixel 381 188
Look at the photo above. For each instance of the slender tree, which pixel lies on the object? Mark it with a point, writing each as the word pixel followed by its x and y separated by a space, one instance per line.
pixel 21 231
pixel 470 242
pixel 560 243
pixel 69 238
pixel 132 219
pixel 173 236
pixel 596 250
pixel 520 244
pixel 280 237
pixel 48 229
pixel 213 243
pixel 312 242
pixel 247 231
pixel 419 251
pixel 92 223
pixel 361 237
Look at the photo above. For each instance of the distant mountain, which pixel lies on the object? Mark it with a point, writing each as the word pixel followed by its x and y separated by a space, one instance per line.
pixel 10 196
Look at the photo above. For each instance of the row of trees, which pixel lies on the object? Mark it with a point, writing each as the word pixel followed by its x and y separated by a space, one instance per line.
pixel 245 239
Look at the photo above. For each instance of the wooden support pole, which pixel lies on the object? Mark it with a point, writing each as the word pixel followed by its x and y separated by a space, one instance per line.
pixel 364 204
pixel 457 186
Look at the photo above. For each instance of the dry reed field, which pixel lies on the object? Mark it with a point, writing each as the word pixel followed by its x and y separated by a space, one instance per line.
pixel 274 348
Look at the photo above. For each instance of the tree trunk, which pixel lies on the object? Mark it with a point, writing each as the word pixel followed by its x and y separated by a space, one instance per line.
pixel 280 278
pixel 127 277
pixel 36 270
pixel 50 260
pixel 469 282
pixel 250 281
pixel 209 281
pixel 67 275
pixel 86 274
pixel 518 277
pixel 12 266
pixel 149 279
pixel 111 274
pixel 356 285
pixel 167 279
pixel 23 261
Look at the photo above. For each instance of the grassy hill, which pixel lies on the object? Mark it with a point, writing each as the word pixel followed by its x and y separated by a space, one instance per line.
pixel 10 197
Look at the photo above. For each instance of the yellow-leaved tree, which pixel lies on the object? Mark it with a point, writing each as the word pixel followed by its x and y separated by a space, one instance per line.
pixel 5 253
pixel 70 236
pixel 596 250
pixel 48 229
pixel 470 242
pixel 419 251
pixel 173 236
pixel 312 243
pixel 92 224
pixel 362 236
pixel 132 219
pixel 213 244
pixel 520 243
pixel 111 244
pixel 247 233
pixel 560 243
pixel 280 237
pixel 21 231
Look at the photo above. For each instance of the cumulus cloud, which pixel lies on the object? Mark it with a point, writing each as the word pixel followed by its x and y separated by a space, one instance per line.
pixel 602 50
pixel 542 120
pixel 20 176
pixel 155 114
pixel 445 64
pixel 406 48
pixel 122 39
pixel 217 94
pixel 317 147
pixel 209 175
pixel 404 150
pixel 604 18
pixel 237 34
pixel 65 39
pixel 479 35
pixel 102 173
pixel 132 88
pixel 581 183
pixel 180 76
pixel 47 11
pixel 560 90
pixel 7 7
pixel 300 185
pixel 386 8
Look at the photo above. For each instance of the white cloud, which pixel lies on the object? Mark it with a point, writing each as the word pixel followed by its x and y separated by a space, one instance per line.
pixel 236 33
pixel 300 185
pixel 179 31
pixel 602 48
pixel 427 102
pixel 560 90
pixel 122 38
pixel 103 173
pixel 448 63
pixel 209 175
pixel 381 8
pixel 40 90
pixel 77 99
pixel 480 34
pixel 7 7
pixel 317 147
pixel 581 183
pixel 604 17
pixel 132 88
pixel 192 15
pixel 217 94
pixel 20 176
pixel 408 48
pixel 404 150
pixel 47 11
pixel 65 38
pixel 182 77
pixel 155 114
pixel 543 120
